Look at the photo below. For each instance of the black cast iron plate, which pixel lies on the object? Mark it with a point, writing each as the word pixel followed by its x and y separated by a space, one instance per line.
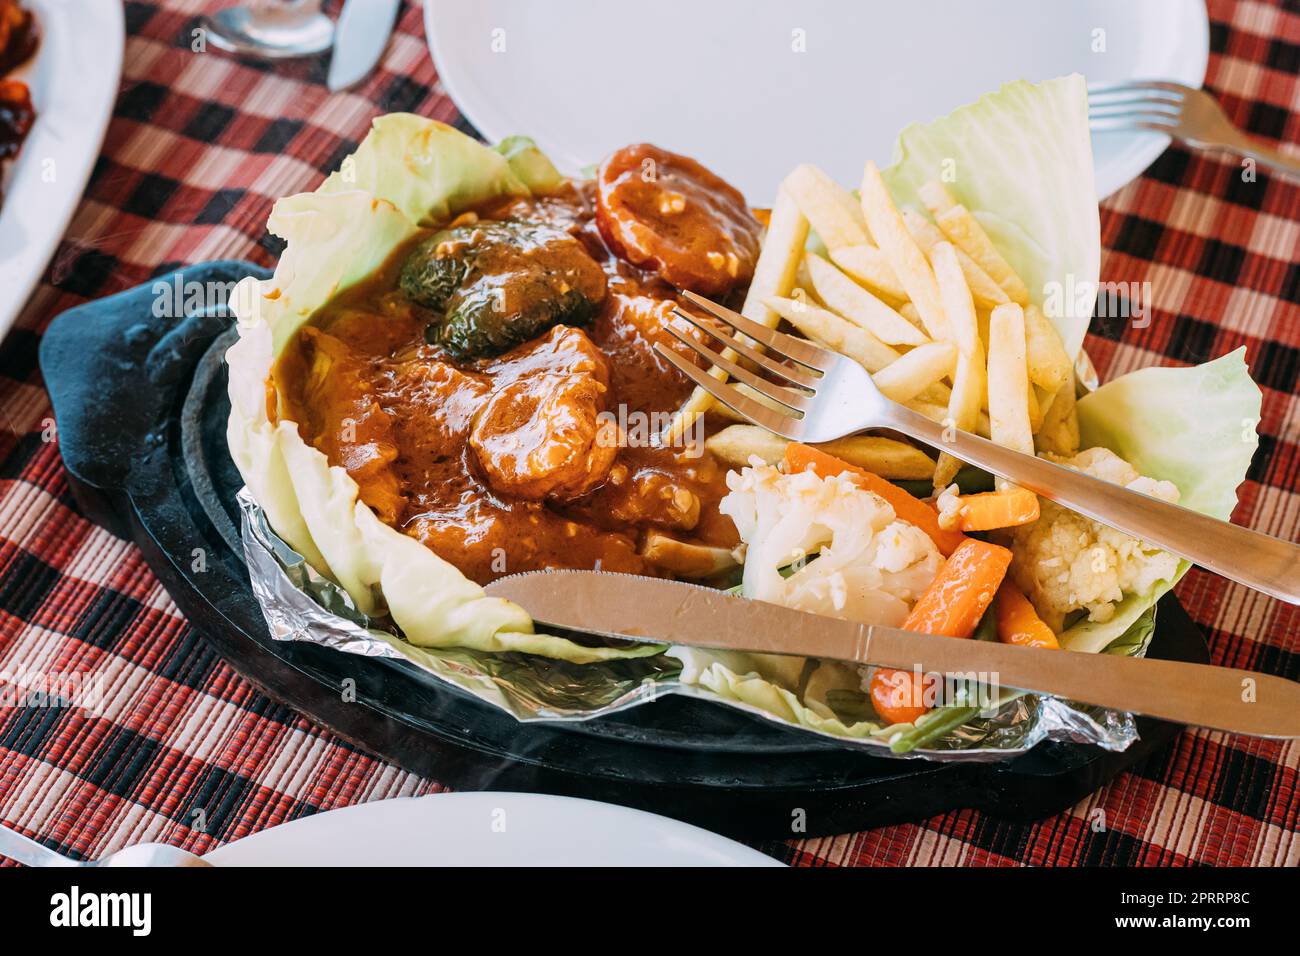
pixel 140 401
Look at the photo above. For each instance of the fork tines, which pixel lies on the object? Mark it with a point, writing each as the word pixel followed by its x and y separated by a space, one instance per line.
pixel 1144 104
pixel 1152 89
pixel 782 348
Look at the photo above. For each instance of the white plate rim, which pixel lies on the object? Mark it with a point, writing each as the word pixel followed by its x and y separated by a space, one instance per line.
pixel 68 28
pixel 1147 147
pixel 1143 149
pixel 276 845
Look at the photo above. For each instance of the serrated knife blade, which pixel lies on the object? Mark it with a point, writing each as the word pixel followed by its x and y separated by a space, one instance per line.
pixel 652 609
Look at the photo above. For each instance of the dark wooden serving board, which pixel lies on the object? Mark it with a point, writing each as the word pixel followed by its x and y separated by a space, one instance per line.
pixel 140 401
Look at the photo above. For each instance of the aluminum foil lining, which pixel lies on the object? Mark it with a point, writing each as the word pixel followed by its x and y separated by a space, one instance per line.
pixel 300 604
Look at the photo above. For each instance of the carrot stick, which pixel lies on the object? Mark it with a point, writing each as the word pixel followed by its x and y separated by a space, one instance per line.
pixel 952 606
pixel 998 509
pixel 1018 622
pixel 962 590
pixel 897 696
pixel 912 510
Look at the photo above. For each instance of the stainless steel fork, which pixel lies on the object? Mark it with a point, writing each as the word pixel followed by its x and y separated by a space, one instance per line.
pixel 1188 115
pixel 830 396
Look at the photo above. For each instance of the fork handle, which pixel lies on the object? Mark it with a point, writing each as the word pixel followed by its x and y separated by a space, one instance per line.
pixel 1265 155
pixel 1256 560
pixel 1234 141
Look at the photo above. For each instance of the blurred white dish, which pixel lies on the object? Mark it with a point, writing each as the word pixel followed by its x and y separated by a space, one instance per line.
pixel 486 829
pixel 723 81
pixel 73 78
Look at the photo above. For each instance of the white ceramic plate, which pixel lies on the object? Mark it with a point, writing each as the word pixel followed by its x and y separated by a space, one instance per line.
pixel 721 80
pixel 73 79
pixel 486 829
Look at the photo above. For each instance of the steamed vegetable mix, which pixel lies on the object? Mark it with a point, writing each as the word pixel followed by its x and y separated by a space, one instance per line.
pixel 800 457
pixel 951 606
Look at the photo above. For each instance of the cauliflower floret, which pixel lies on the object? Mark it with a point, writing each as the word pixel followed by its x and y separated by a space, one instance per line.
pixel 949 506
pixel 868 566
pixel 1065 562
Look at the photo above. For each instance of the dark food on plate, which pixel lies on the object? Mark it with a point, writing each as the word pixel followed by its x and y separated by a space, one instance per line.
pixel 479 388
pixel 17 35
pixel 17 43
pixel 16 116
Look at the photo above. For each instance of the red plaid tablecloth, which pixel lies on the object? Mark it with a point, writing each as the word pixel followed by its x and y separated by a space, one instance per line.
pixel 184 751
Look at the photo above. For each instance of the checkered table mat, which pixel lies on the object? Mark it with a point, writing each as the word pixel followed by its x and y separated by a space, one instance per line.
pixel 182 750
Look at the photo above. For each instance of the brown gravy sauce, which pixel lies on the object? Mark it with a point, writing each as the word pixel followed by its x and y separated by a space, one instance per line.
pixel 369 392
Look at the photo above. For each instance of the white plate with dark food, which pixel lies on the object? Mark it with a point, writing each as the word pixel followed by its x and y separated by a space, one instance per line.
pixel 60 60
pixel 756 86
pixel 486 829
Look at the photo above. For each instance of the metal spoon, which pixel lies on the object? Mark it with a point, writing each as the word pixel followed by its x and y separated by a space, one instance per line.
pixel 281 30
pixel 25 850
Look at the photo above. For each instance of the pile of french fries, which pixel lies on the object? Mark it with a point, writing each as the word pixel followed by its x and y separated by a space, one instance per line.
pixel 926 303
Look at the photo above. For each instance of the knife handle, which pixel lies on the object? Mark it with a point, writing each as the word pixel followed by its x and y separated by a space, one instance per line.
pixel 1204 695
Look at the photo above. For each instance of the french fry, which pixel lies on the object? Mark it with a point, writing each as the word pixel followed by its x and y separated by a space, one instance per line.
pixel 963 229
pixel 1044 406
pixel 957 223
pixel 868 265
pixel 859 306
pixel 968 382
pixel 1048 363
pixel 886 457
pixel 945 470
pixel 1059 433
pixel 828 207
pixel 803 284
pixel 916 371
pixel 736 444
pixel 1008 380
pixel 903 254
pixel 936 197
pixel 983 289
pixel 774 273
pixel 934 412
pixel 782 250
pixel 1070 430
pixel 1034 408
pixel 958 305
pixel 968 391
pixel 828 329
pixel 908 311
pixel 939 393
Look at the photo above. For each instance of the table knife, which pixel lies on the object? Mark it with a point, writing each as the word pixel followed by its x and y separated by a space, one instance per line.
pixel 673 612
pixel 360 37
